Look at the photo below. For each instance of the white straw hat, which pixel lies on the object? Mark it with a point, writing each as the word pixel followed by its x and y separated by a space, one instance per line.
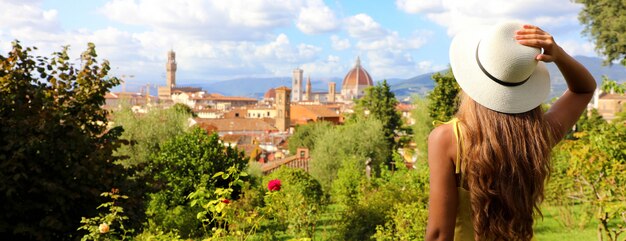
pixel 498 72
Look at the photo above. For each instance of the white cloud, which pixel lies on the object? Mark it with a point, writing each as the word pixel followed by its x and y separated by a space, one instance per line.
pixel 17 15
pixel 416 6
pixel 362 26
pixel 317 18
pixel 576 48
pixel 456 15
pixel 339 43
pixel 392 41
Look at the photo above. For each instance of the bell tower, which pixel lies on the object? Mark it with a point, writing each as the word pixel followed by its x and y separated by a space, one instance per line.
pixel 170 66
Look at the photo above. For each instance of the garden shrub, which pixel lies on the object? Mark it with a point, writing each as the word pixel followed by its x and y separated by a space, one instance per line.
pixel 406 221
pixel 296 206
pixel 184 164
pixel 379 198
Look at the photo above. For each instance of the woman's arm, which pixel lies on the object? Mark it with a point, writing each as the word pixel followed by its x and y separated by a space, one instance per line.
pixel 580 84
pixel 443 202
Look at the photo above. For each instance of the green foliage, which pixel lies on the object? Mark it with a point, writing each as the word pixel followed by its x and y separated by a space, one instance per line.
pixel 595 174
pixel 147 132
pixel 609 86
pixel 351 178
pixel 406 222
pixel 184 164
pixel 379 202
pixel 380 103
pixel 306 135
pixel 358 140
pixel 422 127
pixel 589 121
pixel 297 205
pixel 101 227
pixel 55 149
pixel 179 107
pixel 605 22
pixel 443 100
pixel 214 205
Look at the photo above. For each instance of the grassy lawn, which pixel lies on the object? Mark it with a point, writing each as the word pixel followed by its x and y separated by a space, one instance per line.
pixel 551 229
pixel 548 229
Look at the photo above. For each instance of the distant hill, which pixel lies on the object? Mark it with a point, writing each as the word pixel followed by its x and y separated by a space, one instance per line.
pixel 403 88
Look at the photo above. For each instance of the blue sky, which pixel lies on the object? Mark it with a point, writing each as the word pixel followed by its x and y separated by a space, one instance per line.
pixel 219 40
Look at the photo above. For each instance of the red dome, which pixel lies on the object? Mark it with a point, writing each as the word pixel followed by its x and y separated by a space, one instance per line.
pixel 357 76
pixel 271 93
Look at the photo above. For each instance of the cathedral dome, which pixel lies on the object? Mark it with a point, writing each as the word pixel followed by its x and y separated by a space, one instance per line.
pixel 356 77
pixel 270 94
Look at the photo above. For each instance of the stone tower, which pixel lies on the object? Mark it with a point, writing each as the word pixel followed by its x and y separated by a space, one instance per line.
pixel 170 77
pixel 283 102
pixel 331 92
pixel 307 91
pixel 296 85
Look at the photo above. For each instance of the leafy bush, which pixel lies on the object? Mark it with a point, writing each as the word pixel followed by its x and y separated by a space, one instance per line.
pixel 382 198
pixel 297 205
pixel 406 221
pixel 591 169
pixel 184 164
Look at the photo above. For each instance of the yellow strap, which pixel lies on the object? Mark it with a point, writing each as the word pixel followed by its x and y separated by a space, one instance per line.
pixel 458 138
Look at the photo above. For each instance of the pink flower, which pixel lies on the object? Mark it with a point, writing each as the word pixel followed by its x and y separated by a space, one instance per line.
pixel 274 185
pixel 226 201
pixel 103 228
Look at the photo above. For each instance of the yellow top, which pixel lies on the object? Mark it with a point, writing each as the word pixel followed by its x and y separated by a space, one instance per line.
pixel 463 228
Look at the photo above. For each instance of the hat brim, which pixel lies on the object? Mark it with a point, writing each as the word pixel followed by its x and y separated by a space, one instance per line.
pixel 488 93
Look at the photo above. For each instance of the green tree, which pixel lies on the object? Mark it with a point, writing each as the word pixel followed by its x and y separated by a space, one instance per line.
pixel 55 150
pixel 184 108
pixel 305 135
pixel 605 23
pixel 358 140
pixel 146 133
pixel 443 100
pixel 422 127
pixel 184 164
pixel 380 103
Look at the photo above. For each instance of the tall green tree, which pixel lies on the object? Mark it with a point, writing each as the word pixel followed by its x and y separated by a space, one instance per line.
pixel 422 127
pixel 380 103
pixel 605 23
pixel 355 141
pixel 443 100
pixel 55 149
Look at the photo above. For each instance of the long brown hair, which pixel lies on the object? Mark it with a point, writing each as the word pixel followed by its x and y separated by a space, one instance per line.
pixel 506 158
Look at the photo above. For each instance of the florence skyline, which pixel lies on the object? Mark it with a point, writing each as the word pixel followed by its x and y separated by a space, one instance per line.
pixel 220 40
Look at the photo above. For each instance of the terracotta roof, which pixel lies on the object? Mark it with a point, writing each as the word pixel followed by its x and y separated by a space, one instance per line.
pixel 237 124
pixel 301 114
pixel 404 107
pixel 613 96
pixel 357 76
pixel 222 98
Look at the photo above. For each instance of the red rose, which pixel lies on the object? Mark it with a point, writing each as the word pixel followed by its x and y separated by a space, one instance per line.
pixel 274 185
pixel 226 201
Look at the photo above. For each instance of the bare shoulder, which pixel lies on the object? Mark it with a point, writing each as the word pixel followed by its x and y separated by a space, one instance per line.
pixel 442 135
pixel 441 144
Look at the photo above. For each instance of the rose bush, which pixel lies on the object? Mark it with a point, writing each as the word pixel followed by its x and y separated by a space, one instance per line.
pixel 273 185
